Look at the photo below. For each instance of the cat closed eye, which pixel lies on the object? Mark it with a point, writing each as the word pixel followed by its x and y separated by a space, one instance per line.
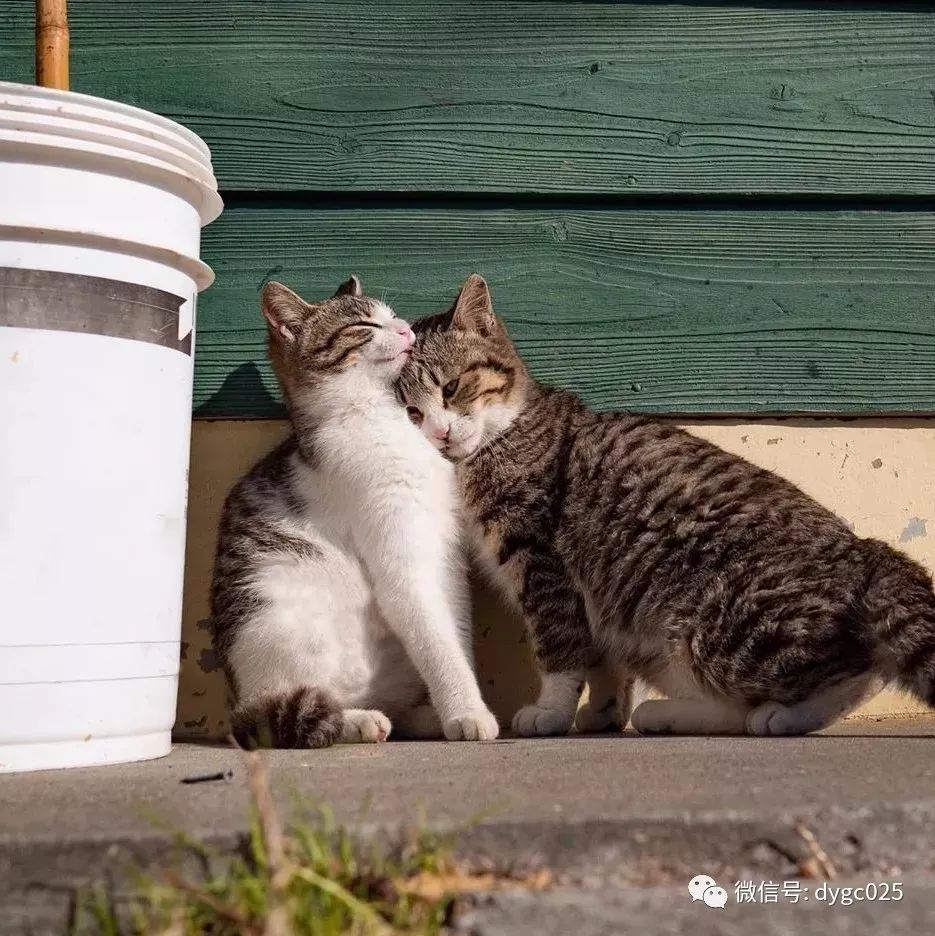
pixel 450 388
pixel 414 414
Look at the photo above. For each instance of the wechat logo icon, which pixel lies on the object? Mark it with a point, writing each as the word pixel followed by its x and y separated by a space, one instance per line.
pixel 705 888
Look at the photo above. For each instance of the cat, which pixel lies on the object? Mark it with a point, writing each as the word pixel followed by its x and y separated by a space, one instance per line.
pixel 625 539
pixel 339 600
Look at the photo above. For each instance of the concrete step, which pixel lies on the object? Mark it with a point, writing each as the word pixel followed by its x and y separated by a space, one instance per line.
pixel 656 911
pixel 617 815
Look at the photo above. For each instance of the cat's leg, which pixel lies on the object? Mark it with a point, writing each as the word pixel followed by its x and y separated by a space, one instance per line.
pixel 814 713
pixel 609 699
pixel 419 723
pixel 554 710
pixel 696 716
pixel 414 588
pixel 689 708
pixel 289 647
pixel 365 725
pixel 555 618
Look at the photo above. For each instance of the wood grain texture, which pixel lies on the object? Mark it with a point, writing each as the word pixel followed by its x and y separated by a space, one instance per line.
pixel 690 311
pixel 505 95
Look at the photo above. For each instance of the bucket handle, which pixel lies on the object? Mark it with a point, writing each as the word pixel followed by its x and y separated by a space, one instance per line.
pixel 52 44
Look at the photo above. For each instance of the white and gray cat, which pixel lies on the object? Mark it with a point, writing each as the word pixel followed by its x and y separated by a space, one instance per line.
pixel 339 601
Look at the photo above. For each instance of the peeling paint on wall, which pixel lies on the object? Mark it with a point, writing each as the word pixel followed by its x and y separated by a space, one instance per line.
pixel 914 528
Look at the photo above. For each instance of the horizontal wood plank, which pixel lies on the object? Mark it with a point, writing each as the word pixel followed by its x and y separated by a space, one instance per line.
pixel 521 95
pixel 666 311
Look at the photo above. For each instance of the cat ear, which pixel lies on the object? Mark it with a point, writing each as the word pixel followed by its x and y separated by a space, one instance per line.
pixel 351 287
pixel 283 310
pixel 473 309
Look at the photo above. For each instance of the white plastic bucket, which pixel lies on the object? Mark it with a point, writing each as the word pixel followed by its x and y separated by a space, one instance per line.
pixel 101 209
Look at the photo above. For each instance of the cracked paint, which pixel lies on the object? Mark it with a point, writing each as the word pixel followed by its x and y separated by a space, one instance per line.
pixel 913 530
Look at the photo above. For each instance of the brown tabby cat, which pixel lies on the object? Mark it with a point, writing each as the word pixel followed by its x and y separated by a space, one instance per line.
pixel 725 587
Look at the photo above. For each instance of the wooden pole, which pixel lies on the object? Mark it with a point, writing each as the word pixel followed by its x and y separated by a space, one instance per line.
pixel 52 44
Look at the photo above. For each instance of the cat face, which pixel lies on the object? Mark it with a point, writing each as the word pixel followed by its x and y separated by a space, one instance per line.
pixel 309 342
pixel 464 383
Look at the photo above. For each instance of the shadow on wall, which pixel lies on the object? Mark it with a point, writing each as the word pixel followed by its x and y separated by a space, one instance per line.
pixel 242 389
pixel 221 453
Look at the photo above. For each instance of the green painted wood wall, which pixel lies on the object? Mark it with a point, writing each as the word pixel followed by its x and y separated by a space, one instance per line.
pixel 696 207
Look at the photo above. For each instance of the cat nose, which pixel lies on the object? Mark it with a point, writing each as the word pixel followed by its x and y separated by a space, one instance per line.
pixel 403 329
pixel 441 434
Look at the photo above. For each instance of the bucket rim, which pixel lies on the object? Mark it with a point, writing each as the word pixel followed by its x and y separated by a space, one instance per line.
pixel 193 267
pixel 61 127
pixel 109 106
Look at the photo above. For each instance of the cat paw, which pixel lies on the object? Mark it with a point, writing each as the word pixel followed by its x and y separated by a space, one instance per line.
pixel 654 717
pixel 772 718
pixel 591 719
pixel 365 725
pixel 532 720
pixel 475 726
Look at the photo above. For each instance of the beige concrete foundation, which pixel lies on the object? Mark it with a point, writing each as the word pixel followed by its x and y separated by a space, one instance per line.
pixel 876 474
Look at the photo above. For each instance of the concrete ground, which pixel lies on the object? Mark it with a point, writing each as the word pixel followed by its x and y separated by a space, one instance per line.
pixel 622 823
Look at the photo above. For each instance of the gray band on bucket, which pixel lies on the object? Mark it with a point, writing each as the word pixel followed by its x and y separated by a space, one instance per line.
pixel 91 305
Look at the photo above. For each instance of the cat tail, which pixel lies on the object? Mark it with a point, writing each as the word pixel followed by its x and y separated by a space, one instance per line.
pixel 301 718
pixel 900 608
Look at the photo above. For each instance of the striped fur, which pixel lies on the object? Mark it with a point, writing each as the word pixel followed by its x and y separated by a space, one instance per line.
pixel 303 718
pixel 628 539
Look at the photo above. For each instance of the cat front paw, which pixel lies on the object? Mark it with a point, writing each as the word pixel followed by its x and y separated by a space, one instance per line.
pixel 534 721
pixel 473 726
pixel 772 718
